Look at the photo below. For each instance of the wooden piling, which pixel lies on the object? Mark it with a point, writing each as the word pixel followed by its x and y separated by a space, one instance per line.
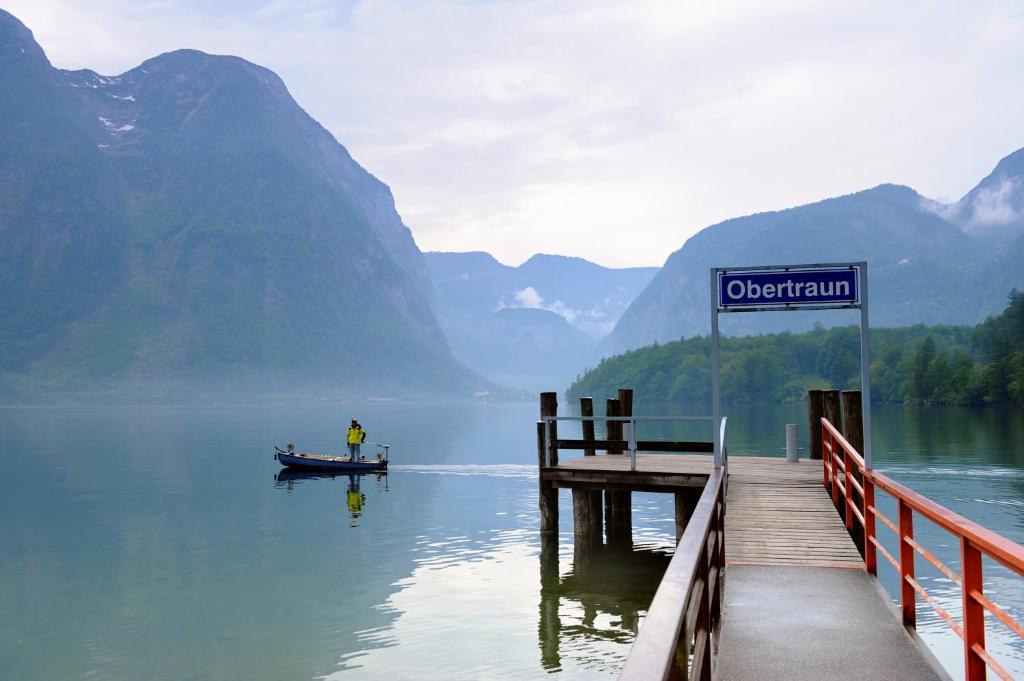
pixel 549 407
pixel 619 504
pixel 548 492
pixel 587 410
pixel 853 420
pixel 833 410
pixel 582 525
pixel 815 410
pixel 626 401
pixel 613 428
pixel 684 509
pixel 596 498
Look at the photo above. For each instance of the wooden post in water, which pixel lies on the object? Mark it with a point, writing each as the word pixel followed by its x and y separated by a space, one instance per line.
pixel 587 409
pixel 815 410
pixel 613 428
pixel 853 431
pixel 611 517
pixel 619 504
pixel 853 420
pixel 684 509
pixel 548 492
pixel 596 500
pixel 582 526
pixel 833 409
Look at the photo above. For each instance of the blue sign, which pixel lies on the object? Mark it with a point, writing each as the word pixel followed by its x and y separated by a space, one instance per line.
pixel 794 288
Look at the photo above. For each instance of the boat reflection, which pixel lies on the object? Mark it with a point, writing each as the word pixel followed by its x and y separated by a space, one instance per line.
pixel 603 598
pixel 355 498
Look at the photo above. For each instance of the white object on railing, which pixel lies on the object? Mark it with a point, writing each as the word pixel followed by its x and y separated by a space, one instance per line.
pixel 724 452
pixel 792 447
pixel 630 436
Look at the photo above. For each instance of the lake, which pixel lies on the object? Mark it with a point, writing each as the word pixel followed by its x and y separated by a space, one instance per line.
pixel 158 542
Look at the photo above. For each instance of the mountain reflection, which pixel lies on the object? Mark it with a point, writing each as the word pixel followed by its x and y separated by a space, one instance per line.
pixel 602 598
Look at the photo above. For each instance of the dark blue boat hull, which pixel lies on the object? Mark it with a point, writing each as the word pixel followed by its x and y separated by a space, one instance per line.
pixel 312 463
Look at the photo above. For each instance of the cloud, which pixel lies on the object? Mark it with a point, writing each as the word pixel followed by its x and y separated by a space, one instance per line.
pixel 530 298
pixel 611 130
pixel 950 212
pixel 993 206
pixel 988 207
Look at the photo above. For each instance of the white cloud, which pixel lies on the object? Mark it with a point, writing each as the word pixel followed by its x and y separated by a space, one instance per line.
pixel 530 298
pixel 993 206
pixel 607 129
pixel 947 211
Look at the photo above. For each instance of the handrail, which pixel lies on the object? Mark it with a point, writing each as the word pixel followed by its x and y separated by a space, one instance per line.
pixel 629 442
pixel 975 542
pixel 687 606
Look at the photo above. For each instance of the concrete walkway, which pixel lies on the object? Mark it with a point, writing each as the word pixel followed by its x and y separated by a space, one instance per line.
pixel 794 623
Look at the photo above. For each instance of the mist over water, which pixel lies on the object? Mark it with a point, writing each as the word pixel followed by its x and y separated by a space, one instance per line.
pixel 163 542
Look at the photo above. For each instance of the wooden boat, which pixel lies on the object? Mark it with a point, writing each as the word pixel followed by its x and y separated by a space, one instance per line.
pixel 323 462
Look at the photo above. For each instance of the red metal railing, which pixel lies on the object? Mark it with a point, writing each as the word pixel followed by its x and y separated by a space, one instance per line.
pixel 853 493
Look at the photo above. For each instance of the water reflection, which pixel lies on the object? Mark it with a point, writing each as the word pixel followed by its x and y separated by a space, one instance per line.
pixel 355 498
pixel 603 598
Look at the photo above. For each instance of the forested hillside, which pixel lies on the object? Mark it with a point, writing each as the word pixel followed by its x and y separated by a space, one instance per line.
pixel 954 365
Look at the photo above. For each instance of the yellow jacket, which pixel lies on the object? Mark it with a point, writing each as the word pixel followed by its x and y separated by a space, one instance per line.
pixel 356 435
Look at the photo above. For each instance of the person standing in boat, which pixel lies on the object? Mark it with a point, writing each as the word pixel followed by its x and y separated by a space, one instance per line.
pixel 356 437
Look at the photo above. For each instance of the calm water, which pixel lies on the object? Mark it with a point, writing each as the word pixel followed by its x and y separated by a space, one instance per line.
pixel 158 543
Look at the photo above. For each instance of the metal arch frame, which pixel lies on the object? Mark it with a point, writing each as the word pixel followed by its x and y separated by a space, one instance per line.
pixel 865 354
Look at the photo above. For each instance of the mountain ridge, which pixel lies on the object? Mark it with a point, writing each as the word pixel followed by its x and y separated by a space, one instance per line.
pixel 199 232
pixel 926 263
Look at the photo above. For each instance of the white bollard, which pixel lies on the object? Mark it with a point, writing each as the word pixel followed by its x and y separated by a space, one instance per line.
pixel 792 444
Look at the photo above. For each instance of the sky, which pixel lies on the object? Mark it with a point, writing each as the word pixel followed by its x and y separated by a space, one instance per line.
pixel 608 130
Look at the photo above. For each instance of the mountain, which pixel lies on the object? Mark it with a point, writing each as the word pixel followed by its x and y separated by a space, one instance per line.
pixel 187 226
pixel 928 262
pixel 534 326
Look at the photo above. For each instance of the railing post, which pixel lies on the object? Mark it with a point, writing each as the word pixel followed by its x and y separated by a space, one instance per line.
pixel 974 613
pixel 704 612
pixel 826 463
pixel 908 602
pixel 833 468
pixel 870 552
pixel 849 490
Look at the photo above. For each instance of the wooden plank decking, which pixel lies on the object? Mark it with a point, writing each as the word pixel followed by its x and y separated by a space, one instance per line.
pixel 777 512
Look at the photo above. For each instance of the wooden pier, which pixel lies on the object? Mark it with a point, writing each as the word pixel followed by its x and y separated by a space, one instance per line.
pixel 774 572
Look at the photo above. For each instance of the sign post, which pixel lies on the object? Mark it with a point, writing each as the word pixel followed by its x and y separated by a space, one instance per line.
pixel 781 288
